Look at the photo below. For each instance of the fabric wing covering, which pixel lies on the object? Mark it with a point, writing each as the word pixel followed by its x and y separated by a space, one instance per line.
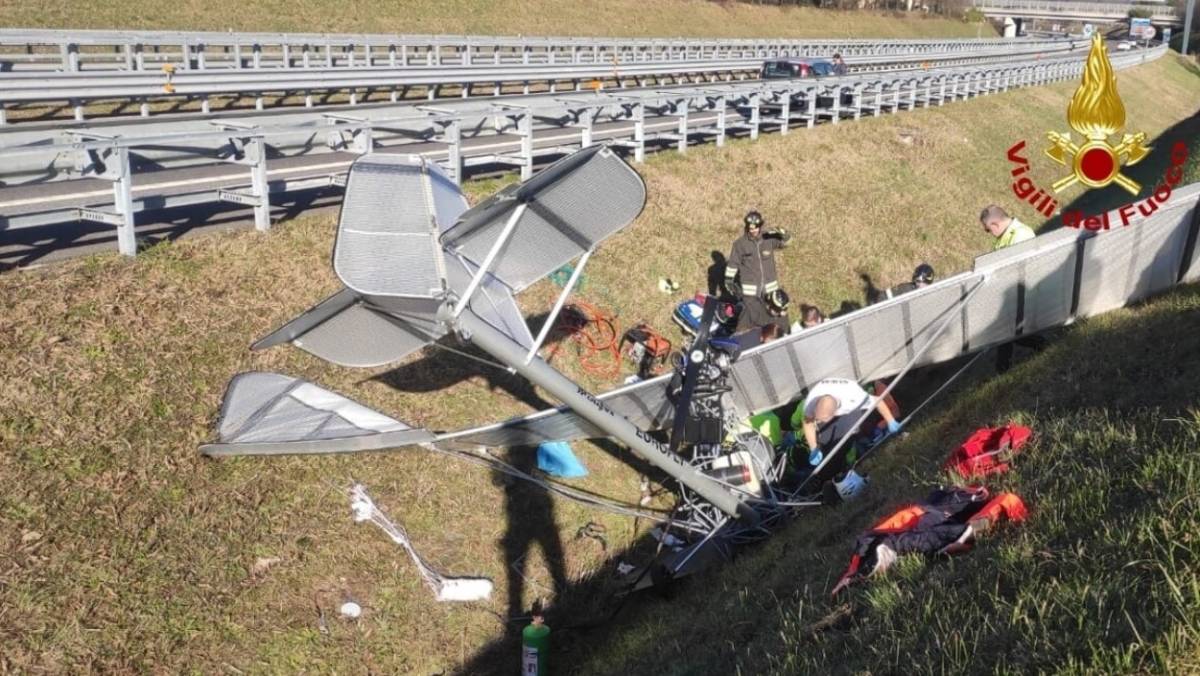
pixel 271 414
pixel 1048 281
pixel 388 229
pixel 570 207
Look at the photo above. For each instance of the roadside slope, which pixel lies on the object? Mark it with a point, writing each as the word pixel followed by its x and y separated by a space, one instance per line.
pixel 1101 579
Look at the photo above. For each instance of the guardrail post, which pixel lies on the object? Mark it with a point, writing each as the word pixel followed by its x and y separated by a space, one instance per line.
pixel 258 184
pixel 639 132
pixel 785 113
pixel 70 56
pixel 722 114
pixel 681 111
pixel 585 129
pixel 755 116
pixel 123 202
pixel 249 148
pixel 525 130
pixel 452 136
pixel 112 164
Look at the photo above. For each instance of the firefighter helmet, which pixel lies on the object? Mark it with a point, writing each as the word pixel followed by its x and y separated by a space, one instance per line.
pixel 778 301
pixel 754 219
pixel 923 274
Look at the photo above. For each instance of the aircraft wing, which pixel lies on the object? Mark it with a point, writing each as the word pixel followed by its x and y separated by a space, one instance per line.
pixel 559 218
pixel 273 414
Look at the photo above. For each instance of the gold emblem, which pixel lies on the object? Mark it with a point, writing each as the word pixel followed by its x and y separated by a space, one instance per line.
pixel 1096 113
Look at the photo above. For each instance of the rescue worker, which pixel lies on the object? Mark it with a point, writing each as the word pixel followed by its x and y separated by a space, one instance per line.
pixel 810 316
pixel 1008 231
pixel 750 273
pixel 829 410
pixel 921 278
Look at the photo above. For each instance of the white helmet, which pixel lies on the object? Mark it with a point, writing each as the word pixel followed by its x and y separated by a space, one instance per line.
pixel 850 485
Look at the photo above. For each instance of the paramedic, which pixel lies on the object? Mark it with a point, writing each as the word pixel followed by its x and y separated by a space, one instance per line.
pixel 1008 231
pixel 831 407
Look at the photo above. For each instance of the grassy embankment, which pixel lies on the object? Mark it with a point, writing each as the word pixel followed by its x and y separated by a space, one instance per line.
pixel 1102 578
pixel 612 18
pixel 125 550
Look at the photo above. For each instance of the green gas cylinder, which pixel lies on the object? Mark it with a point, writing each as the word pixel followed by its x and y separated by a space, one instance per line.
pixel 535 643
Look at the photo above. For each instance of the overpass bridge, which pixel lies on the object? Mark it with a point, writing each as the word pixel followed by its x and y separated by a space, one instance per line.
pixel 1071 10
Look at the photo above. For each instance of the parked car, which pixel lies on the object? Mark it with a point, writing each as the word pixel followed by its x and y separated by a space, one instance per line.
pixel 794 68
pixel 1125 46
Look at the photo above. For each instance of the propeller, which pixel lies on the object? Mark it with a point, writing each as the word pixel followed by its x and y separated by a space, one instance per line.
pixel 694 358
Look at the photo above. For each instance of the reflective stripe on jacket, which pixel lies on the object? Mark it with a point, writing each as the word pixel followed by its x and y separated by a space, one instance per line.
pixel 754 260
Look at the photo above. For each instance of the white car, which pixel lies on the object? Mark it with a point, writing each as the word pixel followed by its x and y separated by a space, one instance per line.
pixel 1125 46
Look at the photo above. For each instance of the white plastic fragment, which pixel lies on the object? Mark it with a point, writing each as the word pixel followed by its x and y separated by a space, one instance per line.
pixel 464 589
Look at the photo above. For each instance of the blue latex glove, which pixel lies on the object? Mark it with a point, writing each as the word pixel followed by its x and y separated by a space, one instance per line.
pixel 815 456
pixel 894 427
pixel 789 440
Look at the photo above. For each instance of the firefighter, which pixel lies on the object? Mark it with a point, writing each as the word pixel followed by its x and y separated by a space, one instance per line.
pixel 750 273
pixel 921 278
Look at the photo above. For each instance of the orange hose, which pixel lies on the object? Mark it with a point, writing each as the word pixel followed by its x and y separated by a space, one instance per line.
pixel 595 335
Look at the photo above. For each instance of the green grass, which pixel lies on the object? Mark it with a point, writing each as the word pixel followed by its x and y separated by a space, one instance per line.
pixel 1102 578
pixel 634 18
pixel 126 551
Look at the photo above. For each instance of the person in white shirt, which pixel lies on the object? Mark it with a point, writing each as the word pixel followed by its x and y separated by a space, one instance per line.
pixel 830 407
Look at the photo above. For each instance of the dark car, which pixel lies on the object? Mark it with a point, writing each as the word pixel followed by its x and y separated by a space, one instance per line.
pixel 793 68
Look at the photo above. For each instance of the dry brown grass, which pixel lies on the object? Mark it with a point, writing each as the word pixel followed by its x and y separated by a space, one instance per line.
pixel 685 18
pixel 124 550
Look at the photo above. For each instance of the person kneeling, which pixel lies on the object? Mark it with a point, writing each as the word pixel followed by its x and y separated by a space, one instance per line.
pixel 830 411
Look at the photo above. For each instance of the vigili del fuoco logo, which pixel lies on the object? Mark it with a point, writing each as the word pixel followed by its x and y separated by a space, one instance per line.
pixel 1096 113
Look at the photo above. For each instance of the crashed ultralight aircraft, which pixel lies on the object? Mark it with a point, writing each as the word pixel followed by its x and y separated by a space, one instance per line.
pixel 418 265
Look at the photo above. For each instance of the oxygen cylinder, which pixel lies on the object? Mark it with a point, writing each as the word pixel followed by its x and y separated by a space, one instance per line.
pixel 535 643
